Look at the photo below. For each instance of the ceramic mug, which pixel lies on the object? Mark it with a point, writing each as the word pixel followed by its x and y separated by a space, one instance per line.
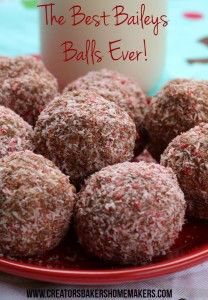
pixel 78 36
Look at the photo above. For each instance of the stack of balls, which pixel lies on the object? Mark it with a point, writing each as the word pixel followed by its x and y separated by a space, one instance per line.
pixel 127 209
pixel 178 107
pixel 177 124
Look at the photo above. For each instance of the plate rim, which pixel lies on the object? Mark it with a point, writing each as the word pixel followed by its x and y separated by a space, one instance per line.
pixel 105 276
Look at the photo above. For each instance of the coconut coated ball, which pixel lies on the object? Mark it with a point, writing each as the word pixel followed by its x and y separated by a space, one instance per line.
pixel 36 203
pixel 12 67
pixel 27 95
pixel 130 212
pixel 82 132
pixel 26 86
pixel 187 155
pixel 15 133
pixel 117 88
pixel 180 105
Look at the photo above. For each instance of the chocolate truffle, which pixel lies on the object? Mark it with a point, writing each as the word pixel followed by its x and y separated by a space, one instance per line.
pixel 26 86
pixel 36 204
pixel 187 155
pixel 130 212
pixel 82 132
pixel 117 88
pixel 15 133
pixel 180 105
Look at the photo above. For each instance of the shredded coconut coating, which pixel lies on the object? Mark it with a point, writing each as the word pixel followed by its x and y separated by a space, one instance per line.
pixel 130 212
pixel 117 88
pixel 36 203
pixel 15 133
pixel 12 67
pixel 187 155
pixel 4 68
pixel 82 132
pixel 19 66
pixel 145 156
pixel 26 86
pixel 180 105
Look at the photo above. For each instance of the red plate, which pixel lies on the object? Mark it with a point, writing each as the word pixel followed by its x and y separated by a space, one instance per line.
pixel 70 264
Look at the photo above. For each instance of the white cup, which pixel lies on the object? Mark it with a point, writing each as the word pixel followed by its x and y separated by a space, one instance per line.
pixel 145 68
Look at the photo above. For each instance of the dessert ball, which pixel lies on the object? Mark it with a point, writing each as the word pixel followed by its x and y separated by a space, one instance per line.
pixel 27 95
pixel 15 133
pixel 13 67
pixel 181 105
pixel 145 156
pixel 36 204
pixel 130 212
pixel 26 86
pixel 117 88
pixel 187 155
pixel 82 132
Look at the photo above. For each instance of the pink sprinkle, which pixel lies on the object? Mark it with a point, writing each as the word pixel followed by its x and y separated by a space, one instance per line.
pixel 37 56
pixel 187 170
pixel 118 196
pixel 123 81
pixel 184 146
pixel 3 131
pixel 193 15
pixel 149 99
pixel 137 205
